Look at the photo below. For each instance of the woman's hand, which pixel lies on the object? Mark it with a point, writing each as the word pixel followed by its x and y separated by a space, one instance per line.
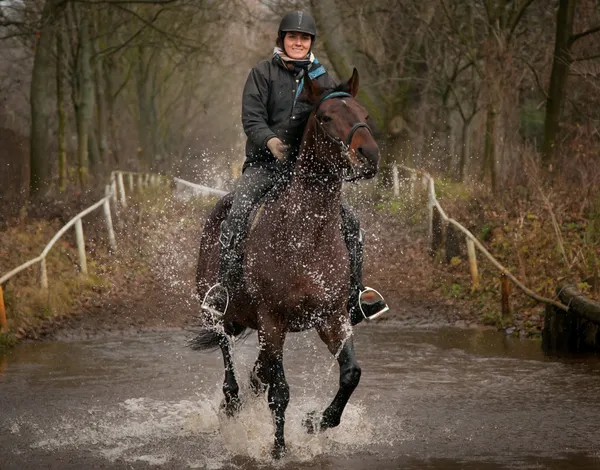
pixel 277 148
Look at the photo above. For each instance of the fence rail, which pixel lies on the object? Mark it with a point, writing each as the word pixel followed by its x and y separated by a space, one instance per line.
pixel 198 189
pixel 115 190
pixel 439 223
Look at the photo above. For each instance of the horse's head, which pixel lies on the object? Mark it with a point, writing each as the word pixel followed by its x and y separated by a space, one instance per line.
pixel 343 141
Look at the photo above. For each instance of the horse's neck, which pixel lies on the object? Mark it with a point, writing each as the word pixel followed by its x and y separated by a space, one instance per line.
pixel 312 199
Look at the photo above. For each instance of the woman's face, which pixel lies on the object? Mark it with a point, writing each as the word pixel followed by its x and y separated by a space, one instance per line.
pixel 296 45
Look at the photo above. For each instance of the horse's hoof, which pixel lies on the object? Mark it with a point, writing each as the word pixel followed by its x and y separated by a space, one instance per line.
pixel 312 422
pixel 278 452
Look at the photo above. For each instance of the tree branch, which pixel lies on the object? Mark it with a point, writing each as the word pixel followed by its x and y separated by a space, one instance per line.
pixel 578 36
pixel 519 14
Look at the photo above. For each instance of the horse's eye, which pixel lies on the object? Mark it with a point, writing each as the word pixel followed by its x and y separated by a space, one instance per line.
pixel 326 118
pixel 367 118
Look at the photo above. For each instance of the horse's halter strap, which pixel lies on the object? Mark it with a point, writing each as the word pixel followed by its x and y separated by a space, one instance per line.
pixel 345 145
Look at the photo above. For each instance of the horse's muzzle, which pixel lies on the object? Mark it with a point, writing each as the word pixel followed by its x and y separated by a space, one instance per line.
pixel 368 163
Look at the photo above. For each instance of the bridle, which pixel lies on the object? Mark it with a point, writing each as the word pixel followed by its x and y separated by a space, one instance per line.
pixel 350 174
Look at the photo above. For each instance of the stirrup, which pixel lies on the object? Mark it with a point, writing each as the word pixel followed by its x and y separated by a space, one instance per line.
pixel 376 314
pixel 215 313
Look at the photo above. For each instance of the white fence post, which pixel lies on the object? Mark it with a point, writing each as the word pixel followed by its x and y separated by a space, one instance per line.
pixel 109 226
pixel 130 181
pixel 413 180
pixel 43 274
pixel 396 180
pixel 121 189
pixel 430 204
pixel 113 188
pixel 81 246
pixel 473 262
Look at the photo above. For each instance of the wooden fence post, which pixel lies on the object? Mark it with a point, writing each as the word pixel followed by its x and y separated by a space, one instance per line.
pixel 473 263
pixel 505 290
pixel 130 181
pixel 109 226
pixel 43 274
pixel 113 188
pixel 430 206
pixel 2 312
pixel 140 182
pixel 121 189
pixel 81 246
pixel 395 180
pixel 413 181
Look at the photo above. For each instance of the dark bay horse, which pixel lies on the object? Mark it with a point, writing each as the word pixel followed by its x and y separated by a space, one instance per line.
pixel 296 265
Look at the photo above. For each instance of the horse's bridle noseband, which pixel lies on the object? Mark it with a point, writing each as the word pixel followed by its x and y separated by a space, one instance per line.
pixel 345 145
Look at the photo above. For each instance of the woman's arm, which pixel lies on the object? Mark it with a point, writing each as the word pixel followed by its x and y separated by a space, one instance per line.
pixel 254 108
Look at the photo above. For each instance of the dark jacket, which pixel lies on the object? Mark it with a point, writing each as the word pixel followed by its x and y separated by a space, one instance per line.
pixel 273 106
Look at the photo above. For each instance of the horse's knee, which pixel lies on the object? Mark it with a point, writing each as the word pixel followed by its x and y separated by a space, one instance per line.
pixel 350 376
pixel 279 394
pixel 231 389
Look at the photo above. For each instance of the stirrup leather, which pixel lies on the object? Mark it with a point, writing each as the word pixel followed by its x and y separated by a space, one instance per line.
pixel 375 315
pixel 216 315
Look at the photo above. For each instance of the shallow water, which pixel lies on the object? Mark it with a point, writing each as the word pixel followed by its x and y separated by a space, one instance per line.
pixel 432 398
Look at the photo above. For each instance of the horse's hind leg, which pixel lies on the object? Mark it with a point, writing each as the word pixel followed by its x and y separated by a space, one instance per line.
pixel 230 386
pixel 338 340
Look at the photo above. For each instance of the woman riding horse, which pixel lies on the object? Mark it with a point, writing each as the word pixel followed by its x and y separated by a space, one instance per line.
pixel 298 237
pixel 274 115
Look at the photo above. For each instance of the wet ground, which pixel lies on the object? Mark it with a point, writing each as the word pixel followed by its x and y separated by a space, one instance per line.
pixel 439 398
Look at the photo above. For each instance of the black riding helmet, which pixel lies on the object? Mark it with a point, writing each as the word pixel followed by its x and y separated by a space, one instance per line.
pixel 299 21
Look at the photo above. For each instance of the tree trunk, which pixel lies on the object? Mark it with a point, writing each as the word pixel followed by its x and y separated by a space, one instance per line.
pixel 101 126
pixel 149 132
pixel 60 104
pixel 85 98
pixel 41 102
pixel 109 72
pixel 489 156
pixel 558 78
pixel 465 150
pixel 329 16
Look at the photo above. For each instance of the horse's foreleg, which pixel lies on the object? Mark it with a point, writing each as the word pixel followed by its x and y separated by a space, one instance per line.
pixel 271 339
pixel 230 386
pixel 337 342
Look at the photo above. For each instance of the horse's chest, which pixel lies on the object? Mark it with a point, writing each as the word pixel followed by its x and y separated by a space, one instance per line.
pixel 303 275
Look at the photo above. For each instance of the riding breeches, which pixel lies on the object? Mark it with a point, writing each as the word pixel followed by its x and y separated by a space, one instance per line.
pixel 253 185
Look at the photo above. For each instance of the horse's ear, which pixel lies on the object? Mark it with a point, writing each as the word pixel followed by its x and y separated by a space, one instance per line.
pixel 352 84
pixel 313 90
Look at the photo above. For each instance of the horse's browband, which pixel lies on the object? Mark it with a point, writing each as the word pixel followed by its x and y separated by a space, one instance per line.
pixel 335 94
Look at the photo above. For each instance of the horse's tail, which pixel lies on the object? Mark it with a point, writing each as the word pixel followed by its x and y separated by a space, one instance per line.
pixel 209 339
